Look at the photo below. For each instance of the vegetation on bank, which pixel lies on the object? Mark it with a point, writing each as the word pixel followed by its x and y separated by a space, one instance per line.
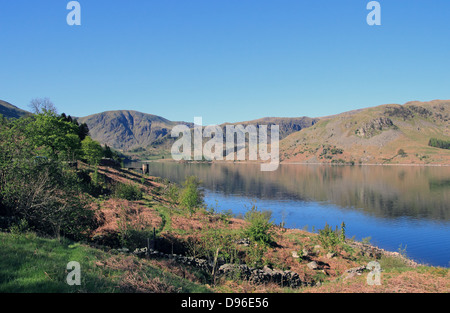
pixel 438 143
pixel 57 204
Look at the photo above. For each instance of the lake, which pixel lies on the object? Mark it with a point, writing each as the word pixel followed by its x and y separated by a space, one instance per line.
pixel 396 206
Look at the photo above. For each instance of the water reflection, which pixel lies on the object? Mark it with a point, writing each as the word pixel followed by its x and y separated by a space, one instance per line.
pixel 395 205
pixel 382 191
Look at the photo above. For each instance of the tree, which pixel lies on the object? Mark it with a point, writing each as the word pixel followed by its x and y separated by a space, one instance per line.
pixel 191 196
pixel 83 130
pixel 42 105
pixel 92 151
pixel 51 135
pixel 107 152
pixel 41 191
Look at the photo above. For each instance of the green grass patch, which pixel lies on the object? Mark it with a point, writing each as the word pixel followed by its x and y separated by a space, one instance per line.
pixel 30 264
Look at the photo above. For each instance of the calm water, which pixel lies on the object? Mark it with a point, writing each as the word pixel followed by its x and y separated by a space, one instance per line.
pixel 394 205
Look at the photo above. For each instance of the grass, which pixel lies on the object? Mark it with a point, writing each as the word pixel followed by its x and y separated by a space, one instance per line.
pixel 32 264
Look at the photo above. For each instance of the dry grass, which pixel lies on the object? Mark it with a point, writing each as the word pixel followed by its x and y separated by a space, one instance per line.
pixel 406 282
pixel 115 211
pixel 179 226
pixel 134 278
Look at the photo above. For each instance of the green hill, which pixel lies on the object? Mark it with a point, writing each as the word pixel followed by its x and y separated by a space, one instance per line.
pixel 10 111
pixel 388 134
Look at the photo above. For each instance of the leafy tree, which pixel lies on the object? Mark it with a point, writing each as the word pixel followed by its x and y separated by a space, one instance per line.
pixel 107 152
pixel 51 135
pixel 92 151
pixel 191 196
pixel 83 130
pixel 41 191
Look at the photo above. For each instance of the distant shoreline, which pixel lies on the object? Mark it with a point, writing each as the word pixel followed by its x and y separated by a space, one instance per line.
pixel 290 163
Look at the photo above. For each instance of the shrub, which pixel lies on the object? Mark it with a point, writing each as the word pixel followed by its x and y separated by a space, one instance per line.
pixel 402 153
pixel 191 196
pixel 173 193
pixel 260 224
pixel 128 192
pixel 330 239
pixel 438 143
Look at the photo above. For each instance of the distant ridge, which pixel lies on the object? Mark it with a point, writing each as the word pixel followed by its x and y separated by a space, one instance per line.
pixel 386 134
pixel 10 111
pixel 127 130
pixel 147 134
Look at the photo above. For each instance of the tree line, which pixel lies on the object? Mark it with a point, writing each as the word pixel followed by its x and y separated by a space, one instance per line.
pixel 39 188
pixel 438 143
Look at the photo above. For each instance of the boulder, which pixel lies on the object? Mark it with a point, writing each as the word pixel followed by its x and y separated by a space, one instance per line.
pixel 313 265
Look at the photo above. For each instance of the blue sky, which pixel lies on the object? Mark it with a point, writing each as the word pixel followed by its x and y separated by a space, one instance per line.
pixel 224 60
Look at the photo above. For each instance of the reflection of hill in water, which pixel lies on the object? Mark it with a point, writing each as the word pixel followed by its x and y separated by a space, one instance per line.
pixel 386 191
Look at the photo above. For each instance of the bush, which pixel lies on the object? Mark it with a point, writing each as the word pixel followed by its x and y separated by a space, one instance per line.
pixel 260 224
pixel 191 196
pixel 128 192
pixel 330 238
pixel 401 153
pixel 173 193
pixel 438 143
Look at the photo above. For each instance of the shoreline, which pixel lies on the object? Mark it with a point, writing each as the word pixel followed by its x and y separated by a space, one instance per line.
pixel 286 163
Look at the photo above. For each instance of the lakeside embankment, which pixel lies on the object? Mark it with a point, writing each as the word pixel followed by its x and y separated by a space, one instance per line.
pixel 304 261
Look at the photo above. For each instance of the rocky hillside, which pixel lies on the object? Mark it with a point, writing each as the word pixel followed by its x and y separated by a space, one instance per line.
pixel 144 135
pixel 128 130
pixel 10 111
pixel 288 125
pixel 388 134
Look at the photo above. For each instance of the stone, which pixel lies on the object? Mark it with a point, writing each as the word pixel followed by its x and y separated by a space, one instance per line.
pixel 267 270
pixel 312 265
pixel 295 255
pixel 330 255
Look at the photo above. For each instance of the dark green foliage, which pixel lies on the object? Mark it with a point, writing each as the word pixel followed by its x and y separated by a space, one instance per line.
pixel 82 130
pixel 408 112
pixel 36 184
pixel 112 154
pixel 129 192
pixel 107 152
pixel 438 143
pixel 260 224
pixel 402 153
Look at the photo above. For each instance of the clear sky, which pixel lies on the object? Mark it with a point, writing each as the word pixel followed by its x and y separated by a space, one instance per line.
pixel 224 60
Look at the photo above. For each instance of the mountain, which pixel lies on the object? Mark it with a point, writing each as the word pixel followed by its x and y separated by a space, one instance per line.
pixel 387 134
pixel 128 130
pixel 144 135
pixel 288 125
pixel 10 111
